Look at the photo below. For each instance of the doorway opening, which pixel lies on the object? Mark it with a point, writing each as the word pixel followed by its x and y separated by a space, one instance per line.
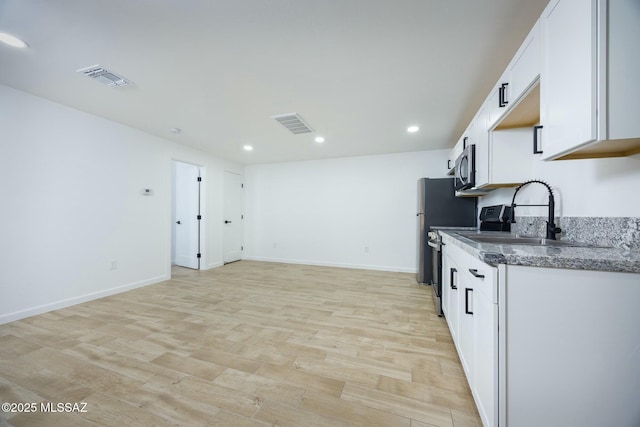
pixel 186 215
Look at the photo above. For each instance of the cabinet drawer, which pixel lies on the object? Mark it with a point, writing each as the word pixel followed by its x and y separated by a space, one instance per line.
pixel 483 277
pixel 466 262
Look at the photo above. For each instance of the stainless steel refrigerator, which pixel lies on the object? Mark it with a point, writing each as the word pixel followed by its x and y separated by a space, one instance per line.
pixel 438 206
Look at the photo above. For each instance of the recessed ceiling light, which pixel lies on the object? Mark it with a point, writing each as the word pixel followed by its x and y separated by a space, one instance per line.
pixel 248 148
pixel 319 139
pixel 175 130
pixel 413 129
pixel 12 41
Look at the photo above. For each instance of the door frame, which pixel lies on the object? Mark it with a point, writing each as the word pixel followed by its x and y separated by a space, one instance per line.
pixel 241 209
pixel 202 211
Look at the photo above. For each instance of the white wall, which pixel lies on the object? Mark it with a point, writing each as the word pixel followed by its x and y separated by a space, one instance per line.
pixel 71 203
pixel 583 188
pixel 329 212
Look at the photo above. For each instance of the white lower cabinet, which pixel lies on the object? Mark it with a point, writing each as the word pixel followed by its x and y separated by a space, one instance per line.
pixel 485 356
pixel 466 325
pixel 545 346
pixel 450 293
pixel 473 324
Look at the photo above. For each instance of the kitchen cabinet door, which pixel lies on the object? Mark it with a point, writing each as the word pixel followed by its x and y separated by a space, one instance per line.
pixel 509 158
pixel 485 317
pixel 466 324
pixel 446 290
pixel 453 155
pixel 496 107
pixel 462 143
pixel 524 69
pixel 451 294
pixel 521 74
pixel 480 137
pixel 497 153
pixel 478 335
pixel 472 315
pixel 568 82
pixel 591 63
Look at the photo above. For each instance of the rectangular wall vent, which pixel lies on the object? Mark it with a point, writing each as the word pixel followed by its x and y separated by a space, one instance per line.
pixel 293 122
pixel 105 76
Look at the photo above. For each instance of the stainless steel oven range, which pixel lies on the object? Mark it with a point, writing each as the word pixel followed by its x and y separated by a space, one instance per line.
pixel 435 242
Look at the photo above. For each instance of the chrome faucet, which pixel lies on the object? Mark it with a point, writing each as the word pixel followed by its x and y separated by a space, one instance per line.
pixel 552 230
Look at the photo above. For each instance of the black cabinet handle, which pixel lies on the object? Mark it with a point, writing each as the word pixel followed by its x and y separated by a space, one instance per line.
pixel 475 273
pixel 464 142
pixel 449 164
pixel 502 90
pixel 451 278
pixel 227 222
pixel 466 301
pixel 535 140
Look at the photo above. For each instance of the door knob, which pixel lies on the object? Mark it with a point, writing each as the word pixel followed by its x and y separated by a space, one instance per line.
pixel 178 222
pixel 227 222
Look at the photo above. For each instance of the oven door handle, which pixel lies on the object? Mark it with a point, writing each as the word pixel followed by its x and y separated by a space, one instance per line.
pixel 434 245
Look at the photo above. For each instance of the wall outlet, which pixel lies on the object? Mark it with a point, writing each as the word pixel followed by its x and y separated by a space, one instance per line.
pixel 114 265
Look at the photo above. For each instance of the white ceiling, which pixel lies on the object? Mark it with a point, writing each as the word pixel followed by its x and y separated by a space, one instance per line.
pixel 357 71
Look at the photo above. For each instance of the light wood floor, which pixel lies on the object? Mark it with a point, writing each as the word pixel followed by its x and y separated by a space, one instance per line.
pixel 247 344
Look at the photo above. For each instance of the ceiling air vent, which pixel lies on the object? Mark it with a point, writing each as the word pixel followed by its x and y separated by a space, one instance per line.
pixel 104 76
pixel 293 122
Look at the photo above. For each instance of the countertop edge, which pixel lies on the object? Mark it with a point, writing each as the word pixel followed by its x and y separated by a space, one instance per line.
pixel 597 259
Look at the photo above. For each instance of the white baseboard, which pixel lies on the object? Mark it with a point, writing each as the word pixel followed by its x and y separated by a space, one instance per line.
pixel 334 264
pixel 213 265
pixel 44 308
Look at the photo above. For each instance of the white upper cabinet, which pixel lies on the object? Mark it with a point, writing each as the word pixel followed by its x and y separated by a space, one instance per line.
pixel 520 76
pixel 507 158
pixel 590 84
pixel 453 155
pixel 502 129
pixel 524 69
pixel 568 95
pixel 497 151
pixel 480 137
pixel 496 106
pixel 462 143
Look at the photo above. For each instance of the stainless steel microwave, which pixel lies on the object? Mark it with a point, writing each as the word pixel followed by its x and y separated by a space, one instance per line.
pixel 465 169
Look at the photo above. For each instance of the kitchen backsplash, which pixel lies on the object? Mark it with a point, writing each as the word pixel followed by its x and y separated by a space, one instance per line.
pixel 623 232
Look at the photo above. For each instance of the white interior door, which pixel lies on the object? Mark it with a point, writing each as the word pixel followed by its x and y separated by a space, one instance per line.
pixel 186 224
pixel 232 217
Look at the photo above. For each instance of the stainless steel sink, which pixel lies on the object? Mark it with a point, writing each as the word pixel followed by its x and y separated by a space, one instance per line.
pixel 521 240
